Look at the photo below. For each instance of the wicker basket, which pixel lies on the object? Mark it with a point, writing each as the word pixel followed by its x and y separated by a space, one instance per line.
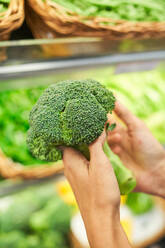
pixel 40 30
pixel 61 24
pixel 9 169
pixel 11 19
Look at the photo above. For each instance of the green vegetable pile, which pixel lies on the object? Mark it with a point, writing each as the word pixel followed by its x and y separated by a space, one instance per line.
pixel 4 4
pixel 15 106
pixel 131 10
pixel 35 218
pixel 144 94
pixel 73 113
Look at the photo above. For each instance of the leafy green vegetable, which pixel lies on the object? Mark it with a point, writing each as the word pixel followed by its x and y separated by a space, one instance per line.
pixel 111 127
pixel 13 239
pixel 139 203
pixel 55 215
pixel 132 10
pixel 17 215
pixel 15 106
pixel 51 239
pixel 147 90
pixel 15 220
pixel 19 239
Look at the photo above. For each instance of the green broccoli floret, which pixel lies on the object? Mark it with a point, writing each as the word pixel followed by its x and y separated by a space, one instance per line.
pixel 68 113
pixel 72 113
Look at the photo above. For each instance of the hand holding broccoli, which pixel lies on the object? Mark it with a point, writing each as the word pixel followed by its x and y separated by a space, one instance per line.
pixel 139 151
pixel 97 193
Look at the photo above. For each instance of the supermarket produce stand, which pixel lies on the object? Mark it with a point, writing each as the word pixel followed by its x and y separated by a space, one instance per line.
pixel 26 58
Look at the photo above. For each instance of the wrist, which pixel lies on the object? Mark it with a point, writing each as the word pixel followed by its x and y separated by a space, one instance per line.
pixel 102 227
pixel 105 210
pixel 100 213
pixel 110 212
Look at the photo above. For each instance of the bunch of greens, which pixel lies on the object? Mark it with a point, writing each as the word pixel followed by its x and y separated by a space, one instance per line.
pixel 4 5
pixel 35 218
pixel 19 239
pixel 131 10
pixel 147 89
pixel 15 106
pixel 142 92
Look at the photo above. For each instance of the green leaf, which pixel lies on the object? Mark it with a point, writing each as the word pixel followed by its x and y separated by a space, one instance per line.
pixel 111 127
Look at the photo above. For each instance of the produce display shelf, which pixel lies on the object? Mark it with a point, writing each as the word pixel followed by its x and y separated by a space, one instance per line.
pixel 29 57
pixel 62 65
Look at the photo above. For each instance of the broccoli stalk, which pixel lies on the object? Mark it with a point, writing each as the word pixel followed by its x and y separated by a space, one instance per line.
pixel 124 176
pixel 139 203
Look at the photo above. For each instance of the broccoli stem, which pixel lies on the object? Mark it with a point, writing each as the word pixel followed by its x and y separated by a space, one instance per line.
pixel 125 178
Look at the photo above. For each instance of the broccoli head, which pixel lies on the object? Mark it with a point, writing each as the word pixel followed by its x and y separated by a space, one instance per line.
pixel 73 113
pixel 69 113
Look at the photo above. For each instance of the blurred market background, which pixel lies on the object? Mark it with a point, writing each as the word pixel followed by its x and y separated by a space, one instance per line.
pixel 41 212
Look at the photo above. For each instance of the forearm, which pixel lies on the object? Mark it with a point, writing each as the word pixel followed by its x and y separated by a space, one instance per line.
pixel 104 230
pixel 159 179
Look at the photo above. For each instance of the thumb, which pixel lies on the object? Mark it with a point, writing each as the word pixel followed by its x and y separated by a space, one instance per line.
pixel 98 159
pixel 125 115
pixel 96 146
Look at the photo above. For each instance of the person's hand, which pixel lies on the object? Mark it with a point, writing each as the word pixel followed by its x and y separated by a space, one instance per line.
pixel 97 193
pixel 139 151
pixel 93 182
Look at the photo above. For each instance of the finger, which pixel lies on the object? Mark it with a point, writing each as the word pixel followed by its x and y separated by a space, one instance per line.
pixel 98 159
pixel 116 149
pixel 114 138
pixel 124 114
pixel 117 137
pixel 75 164
pixel 99 141
pixel 119 126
